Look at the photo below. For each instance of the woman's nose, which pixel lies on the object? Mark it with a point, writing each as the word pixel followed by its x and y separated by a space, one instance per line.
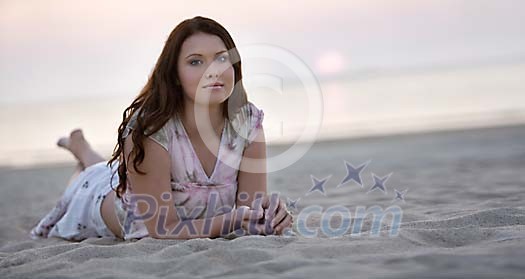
pixel 215 70
pixel 212 74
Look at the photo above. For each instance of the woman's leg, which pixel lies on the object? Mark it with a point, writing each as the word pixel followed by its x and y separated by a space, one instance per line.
pixel 86 156
pixel 80 148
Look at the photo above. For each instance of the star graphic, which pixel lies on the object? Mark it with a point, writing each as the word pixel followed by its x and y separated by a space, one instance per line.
pixel 353 173
pixel 400 195
pixel 379 183
pixel 291 204
pixel 318 185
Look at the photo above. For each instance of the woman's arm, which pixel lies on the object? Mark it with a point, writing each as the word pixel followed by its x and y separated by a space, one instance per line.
pixel 162 219
pixel 254 186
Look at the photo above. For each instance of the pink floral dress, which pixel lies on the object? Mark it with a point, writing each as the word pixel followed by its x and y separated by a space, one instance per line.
pixel 196 195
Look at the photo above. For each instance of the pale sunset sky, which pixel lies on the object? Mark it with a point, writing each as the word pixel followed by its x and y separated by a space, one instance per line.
pixel 53 50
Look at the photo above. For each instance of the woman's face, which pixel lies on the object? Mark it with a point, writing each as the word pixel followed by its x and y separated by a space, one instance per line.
pixel 203 61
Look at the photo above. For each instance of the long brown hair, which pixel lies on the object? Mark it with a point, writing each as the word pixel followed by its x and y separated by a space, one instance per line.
pixel 162 96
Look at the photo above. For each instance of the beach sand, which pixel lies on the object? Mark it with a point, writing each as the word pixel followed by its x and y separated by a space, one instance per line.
pixel 463 216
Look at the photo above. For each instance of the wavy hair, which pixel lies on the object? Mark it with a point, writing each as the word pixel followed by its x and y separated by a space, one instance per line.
pixel 162 96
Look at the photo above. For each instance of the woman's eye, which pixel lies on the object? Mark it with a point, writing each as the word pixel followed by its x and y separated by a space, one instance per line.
pixel 193 62
pixel 223 58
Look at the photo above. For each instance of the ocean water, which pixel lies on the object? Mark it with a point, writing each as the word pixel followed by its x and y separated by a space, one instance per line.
pixel 378 104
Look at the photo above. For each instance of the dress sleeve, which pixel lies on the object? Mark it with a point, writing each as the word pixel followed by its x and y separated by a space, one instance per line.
pixel 256 120
pixel 161 136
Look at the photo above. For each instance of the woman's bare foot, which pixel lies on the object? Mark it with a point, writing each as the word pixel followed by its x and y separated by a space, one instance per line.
pixel 80 148
pixel 75 143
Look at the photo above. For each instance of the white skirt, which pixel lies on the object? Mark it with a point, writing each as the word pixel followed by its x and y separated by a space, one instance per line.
pixel 76 216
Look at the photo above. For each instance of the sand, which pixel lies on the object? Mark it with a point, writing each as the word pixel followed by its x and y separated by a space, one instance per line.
pixel 463 216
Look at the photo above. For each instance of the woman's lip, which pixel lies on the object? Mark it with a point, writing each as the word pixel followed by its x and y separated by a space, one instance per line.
pixel 214 86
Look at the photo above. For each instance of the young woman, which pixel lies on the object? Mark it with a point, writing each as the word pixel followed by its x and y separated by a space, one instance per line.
pixel 190 159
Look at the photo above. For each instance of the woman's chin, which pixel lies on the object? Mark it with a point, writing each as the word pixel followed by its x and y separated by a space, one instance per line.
pixel 212 97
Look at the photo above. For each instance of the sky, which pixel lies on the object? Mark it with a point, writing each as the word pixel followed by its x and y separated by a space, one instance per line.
pixel 55 50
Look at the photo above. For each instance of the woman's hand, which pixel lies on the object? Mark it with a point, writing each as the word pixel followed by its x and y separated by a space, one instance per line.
pixel 282 220
pixel 276 217
pixel 249 220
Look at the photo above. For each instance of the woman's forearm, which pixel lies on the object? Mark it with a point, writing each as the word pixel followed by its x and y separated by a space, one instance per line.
pixel 211 227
